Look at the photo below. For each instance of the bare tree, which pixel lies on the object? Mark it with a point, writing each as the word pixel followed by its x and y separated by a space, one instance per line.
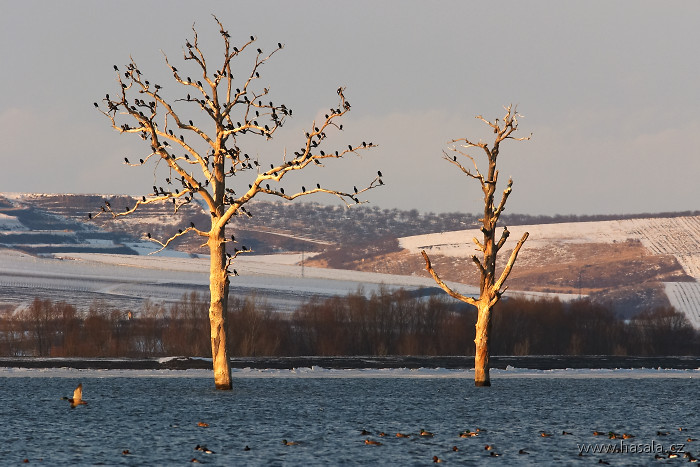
pixel 204 159
pixel 491 288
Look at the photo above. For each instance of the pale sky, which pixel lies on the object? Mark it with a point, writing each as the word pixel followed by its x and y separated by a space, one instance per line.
pixel 608 89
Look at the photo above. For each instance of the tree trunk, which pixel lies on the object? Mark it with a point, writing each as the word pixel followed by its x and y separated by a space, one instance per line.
pixel 218 287
pixel 481 357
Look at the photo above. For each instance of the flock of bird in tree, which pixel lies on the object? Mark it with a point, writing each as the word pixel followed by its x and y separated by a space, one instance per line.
pixel 171 140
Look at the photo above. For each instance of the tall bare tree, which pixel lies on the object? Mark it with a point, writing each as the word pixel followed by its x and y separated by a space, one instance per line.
pixel 204 158
pixel 491 288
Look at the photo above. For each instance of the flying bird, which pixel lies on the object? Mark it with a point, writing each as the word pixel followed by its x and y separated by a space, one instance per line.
pixel 77 398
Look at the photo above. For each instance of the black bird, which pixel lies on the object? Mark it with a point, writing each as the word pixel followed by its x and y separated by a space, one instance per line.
pixel 141 161
pixel 143 198
pixel 303 189
pixel 259 51
pixel 252 38
pixel 192 224
pixel 355 188
pixel 95 103
pixel 148 234
pixel 115 68
pixel 279 45
pixel 126 160
pixel 179 230
pixel 282 190
pixel 318 185
pixel 379 173
pixel 89 215
pixel 350 147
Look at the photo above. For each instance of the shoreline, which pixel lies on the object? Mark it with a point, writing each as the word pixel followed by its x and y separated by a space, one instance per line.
pixel 535 362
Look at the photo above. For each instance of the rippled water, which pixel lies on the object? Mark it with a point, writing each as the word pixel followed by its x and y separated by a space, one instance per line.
pixel 156 419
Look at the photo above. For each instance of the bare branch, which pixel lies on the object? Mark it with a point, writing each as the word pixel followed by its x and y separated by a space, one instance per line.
pixel 445 287
pixel 506 271
pixel 180 233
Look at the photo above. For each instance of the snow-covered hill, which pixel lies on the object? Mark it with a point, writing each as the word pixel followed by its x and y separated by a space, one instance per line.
pixel 645 260
pixel 676 236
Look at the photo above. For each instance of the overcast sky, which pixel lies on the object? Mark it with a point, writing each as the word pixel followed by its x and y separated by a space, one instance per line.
pixel 609 90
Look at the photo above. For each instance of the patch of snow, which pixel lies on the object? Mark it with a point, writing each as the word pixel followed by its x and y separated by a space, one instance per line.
pixel 676 236
pixel 10 223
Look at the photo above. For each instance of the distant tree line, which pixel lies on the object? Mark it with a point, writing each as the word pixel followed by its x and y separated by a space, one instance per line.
pixel 382 323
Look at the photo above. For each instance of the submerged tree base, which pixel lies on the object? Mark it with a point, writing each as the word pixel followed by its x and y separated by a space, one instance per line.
pixel 482 383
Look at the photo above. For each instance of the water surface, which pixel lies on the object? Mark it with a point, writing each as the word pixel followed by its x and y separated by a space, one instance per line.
pixel 156 418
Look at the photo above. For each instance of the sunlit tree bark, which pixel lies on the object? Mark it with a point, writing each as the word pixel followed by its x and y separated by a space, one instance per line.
pixel 491 288
pixel 203 157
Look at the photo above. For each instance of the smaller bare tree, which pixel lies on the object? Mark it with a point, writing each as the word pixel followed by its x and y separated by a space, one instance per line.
pixel 491 289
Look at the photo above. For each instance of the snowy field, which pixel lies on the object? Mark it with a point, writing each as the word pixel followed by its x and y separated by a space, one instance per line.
pixel 677 236
pixel 127 280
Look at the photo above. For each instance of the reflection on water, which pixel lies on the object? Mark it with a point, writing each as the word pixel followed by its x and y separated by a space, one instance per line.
pixel 156 420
